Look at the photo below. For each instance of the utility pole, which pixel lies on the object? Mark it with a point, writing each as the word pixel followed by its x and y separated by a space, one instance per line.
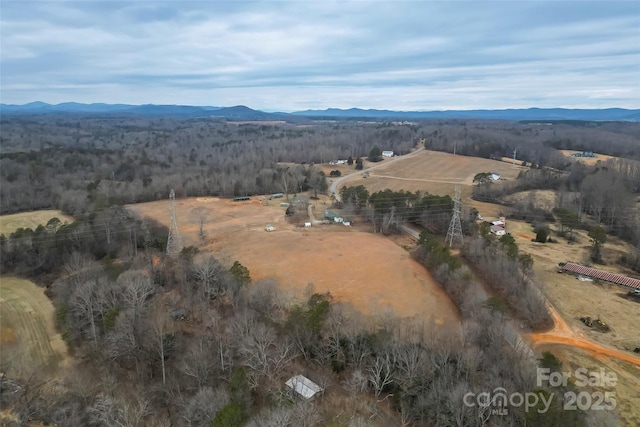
pixel 454 233
pixel 515 150
pixel 174 242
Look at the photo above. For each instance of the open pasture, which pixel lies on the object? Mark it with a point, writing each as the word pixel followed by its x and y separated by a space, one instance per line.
pixel 29 343
pixel 586 160
pixel 436 173
pixel 10 223
pixel 369 271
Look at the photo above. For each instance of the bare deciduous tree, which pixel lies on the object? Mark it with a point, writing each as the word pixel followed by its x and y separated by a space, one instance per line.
pixel 199 215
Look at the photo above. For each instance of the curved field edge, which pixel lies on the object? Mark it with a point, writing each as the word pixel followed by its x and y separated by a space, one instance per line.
pixel 29 343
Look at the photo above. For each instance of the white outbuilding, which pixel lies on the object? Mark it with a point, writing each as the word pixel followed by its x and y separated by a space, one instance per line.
pixel 303 386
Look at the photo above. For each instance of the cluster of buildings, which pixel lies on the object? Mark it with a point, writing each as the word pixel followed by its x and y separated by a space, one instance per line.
pixel 386 153
pixel 498 227
pixel 332 216
pixel 584 154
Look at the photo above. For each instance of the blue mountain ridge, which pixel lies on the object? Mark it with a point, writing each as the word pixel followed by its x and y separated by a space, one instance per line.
pixel 241 112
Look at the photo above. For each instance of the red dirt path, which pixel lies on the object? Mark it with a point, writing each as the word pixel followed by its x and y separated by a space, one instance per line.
pixel 563 334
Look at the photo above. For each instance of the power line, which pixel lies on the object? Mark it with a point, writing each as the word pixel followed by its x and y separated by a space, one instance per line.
pixel 454 233
pixel 174 242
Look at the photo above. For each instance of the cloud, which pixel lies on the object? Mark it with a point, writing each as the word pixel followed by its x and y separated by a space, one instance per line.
pixel 295 55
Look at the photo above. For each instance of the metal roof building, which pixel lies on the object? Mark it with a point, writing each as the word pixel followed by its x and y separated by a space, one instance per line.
pixel 303 386
pixel 618 279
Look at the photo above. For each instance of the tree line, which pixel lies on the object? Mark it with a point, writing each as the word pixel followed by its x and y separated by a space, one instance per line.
pixel 67 161
pixel 387 210
pixel 224 359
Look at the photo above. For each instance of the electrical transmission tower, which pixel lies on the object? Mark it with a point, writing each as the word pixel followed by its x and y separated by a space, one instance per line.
pixel 454 233
pixel 174 242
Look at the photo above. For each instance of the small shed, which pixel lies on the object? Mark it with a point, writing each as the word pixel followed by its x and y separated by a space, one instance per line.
pixel 494 176
pixel 387 153
pixel 307 224
pixel 270 227
pixel 303 386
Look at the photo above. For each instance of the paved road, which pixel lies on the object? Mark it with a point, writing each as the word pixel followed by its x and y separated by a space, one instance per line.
pixel 337 182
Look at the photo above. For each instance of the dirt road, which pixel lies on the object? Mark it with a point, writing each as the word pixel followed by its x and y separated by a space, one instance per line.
pixel 334 186
pixel 563 334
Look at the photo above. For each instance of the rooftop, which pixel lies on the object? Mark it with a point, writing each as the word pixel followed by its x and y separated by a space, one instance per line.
pixel 303 386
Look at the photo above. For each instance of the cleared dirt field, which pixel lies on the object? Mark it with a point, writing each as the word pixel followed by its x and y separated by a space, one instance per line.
pixel 29 343
pixel 369 271
pixel 10 223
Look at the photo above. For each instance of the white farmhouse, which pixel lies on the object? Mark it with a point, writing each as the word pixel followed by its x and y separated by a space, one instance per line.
pixel 387 153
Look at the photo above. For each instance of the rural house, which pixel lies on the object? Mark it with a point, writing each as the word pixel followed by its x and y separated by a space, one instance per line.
pixel 498 230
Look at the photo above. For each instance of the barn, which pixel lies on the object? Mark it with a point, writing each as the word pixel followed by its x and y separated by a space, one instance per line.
pixel 605 276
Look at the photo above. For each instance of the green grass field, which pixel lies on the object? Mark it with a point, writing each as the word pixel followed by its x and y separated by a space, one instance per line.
pixel 10 223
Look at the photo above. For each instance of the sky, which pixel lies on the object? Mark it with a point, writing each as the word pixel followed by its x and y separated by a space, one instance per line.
pixel 297 55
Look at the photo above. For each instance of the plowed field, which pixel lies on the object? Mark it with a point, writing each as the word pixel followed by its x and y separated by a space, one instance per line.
pixel 28 341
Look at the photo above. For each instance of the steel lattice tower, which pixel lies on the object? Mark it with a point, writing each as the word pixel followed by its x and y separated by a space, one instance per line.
pixel 454 233
pixel 174 242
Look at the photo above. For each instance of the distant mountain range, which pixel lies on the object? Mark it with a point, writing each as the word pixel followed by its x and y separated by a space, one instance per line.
pixel 609 114
pixel 240 112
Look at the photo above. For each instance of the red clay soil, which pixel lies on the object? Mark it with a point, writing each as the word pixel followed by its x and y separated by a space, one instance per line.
pixel 563 334
pixel 367 270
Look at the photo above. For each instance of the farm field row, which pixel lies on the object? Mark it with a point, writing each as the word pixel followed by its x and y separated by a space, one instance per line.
pixel 29 343
pixel 438 173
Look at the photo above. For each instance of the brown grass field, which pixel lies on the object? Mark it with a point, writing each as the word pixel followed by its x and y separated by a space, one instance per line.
pixel 369 271
pixel 574 298
pixel 436 173
pixel 439 173
pixel 10 223
pixel 355 266
pixel 586 160
pixel 29 343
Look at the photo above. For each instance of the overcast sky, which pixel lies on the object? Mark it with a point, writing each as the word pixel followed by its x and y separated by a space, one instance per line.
pixel 294 55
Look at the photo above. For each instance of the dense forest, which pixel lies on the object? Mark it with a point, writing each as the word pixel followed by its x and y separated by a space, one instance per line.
pixel 71 162
pixel 68 163
pixel 192 341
